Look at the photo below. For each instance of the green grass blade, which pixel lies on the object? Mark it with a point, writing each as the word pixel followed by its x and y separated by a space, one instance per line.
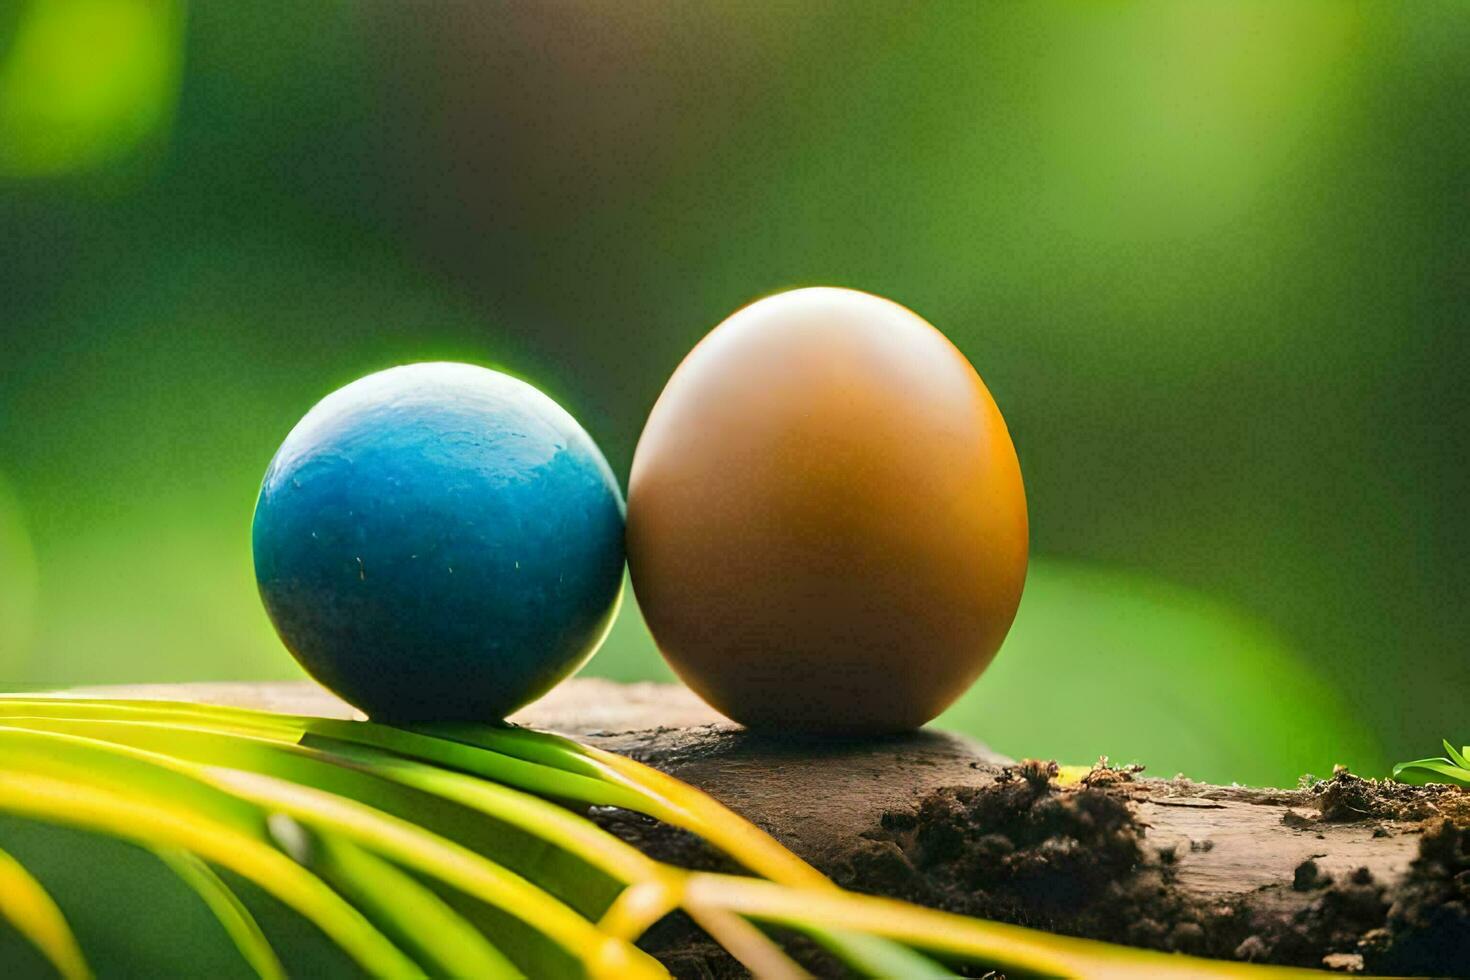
pixel 394 837
pixel 346 766
pixel 535 775
pixel 27 906
pixel 535 764
pixel 554 766
pixel 232 914
pixel 1440 767
pixel 675 802
pixel 412 847
pixel 562 852
pixel 528 744
pixel 665 798
pixel 412 914
pixel 76 800
pixel 873 956
pixel 1416 764
pixel 576 780
pixel 1013 949
pixel 752 948
pixel 653 793
pixel 526 810
pixel 370 775
pixel 1455 756
pixel 235 719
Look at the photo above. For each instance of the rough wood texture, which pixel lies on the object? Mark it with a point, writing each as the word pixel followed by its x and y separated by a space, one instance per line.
pixel 1340 874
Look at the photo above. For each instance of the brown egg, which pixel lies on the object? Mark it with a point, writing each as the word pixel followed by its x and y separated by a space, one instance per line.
pixel 826 523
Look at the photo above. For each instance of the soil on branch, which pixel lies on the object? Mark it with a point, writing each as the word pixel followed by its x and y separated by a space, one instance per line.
pixel 1079 861
pixel 1344 873
pixel 1089 859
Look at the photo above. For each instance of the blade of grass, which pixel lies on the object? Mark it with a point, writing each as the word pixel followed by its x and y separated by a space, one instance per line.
pixel 697 811
pixel 656 794
pixel 509 768
pixel 412 914
pixel 182 739
pixel 372 776
pixel 991 944
pixel 238 719
pixel 641 905
pixel 195 741
pixel 581 784
pixel 665 798
pixel 232 914
pixel 556 848
pixel 531 812
pixel 542 763
pixel 546 779
pixel 668 799
pixel 874 956
pixel 78 801
pixel 547 765
pixel 545 748
pixel 409 845
pixel 752 948
pixel 1415 763
pixel 26 905
pixel 391 836
pixel 1440 767
pixel 1455 756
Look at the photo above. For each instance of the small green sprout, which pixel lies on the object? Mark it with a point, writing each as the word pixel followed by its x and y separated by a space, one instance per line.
pixel 1452 768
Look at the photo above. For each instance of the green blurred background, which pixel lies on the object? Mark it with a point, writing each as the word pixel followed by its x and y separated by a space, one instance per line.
pixel 1211 259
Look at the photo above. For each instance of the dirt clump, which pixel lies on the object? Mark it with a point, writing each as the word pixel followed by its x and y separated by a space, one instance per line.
pixel 1075 860
pixel 1333 924
pixel 1022 850
pixel 1308 876
pixel 1428 925
pixel 1346 798
pixel 1105 774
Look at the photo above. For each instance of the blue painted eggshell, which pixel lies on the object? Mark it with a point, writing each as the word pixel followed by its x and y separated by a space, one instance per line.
pixel 439 542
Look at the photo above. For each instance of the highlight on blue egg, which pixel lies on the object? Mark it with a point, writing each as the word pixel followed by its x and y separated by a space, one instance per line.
pixel 439 542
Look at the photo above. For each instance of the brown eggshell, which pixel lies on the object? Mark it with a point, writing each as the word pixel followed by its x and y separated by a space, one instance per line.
pixel 826 522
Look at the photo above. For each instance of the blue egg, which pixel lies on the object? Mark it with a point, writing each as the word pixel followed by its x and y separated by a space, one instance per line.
pixel 439 542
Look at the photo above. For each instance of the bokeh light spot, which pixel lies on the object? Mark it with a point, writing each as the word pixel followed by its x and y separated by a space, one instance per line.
pixel 1109 661
pixel 84 82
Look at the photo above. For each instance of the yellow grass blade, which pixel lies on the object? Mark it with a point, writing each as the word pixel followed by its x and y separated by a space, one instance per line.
pixel 34 914
pixel 232 914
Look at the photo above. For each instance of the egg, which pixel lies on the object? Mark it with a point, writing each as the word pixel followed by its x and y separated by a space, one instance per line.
pixel 827 528
pixel 439 542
